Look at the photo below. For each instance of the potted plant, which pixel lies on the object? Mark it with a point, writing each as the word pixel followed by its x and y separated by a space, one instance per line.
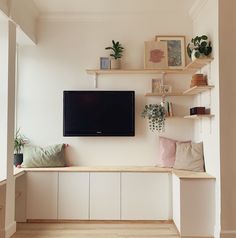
pixel 199 47
pixel 19 142
pixel 117 49
pixel 156 115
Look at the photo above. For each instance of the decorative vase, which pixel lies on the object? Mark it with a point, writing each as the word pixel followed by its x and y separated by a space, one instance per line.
pixel 115 63
pixel 18 159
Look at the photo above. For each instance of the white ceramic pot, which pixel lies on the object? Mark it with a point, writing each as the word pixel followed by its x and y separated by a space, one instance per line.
pixel 115 63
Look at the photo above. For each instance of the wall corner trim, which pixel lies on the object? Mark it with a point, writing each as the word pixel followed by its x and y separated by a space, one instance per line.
pixel 196 8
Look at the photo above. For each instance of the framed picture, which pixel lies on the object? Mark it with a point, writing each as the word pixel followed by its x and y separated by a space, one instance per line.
pixel 105 63
pixel 156 85
pixel 155 56
pixel 175 49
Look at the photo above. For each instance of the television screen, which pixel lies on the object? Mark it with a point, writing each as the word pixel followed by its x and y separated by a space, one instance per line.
pixel 99 113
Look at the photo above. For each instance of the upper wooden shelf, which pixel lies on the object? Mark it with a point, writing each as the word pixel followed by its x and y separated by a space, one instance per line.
pixel 197 89
pixel 189 69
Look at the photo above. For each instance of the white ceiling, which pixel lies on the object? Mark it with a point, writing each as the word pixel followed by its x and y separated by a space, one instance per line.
pixel 110 6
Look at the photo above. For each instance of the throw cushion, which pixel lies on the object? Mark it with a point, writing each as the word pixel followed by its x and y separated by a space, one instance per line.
pixel 189 156
pixel 38 157
pixel 167 151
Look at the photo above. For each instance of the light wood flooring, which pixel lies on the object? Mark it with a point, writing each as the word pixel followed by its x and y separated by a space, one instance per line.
pixel 96 230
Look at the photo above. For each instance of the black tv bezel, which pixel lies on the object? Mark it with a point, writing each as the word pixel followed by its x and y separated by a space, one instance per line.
pixel 71 134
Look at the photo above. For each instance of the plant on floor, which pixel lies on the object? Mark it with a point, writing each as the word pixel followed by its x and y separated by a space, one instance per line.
pixel 155 113
pixel 117 49
pixel 199 46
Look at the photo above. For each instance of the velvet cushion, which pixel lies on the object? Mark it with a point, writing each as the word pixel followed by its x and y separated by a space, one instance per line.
pixel 38 157
pixel 167 152
pixel 189 156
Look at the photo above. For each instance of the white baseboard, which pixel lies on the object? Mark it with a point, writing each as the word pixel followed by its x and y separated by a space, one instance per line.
pixel 228 234
pixel 10 230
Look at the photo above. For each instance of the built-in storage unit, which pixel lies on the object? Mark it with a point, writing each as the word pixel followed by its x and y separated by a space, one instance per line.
pixel 42 191
pixel 193 205
pixel 145 196
pixel 73 195
pixel 105 196
pixel 121 193
pixel 2 207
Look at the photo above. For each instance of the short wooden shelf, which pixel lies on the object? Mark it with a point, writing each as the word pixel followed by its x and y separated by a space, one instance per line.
pixel 174 94
pixel 197 64
pixel 198 116
pixel 197 89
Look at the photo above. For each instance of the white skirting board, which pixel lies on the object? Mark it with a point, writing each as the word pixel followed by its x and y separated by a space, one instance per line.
pixel 10 230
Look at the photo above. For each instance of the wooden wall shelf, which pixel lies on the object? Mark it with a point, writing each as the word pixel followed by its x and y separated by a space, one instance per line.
pixel 197 89
pixel 189 69
pixel 174 94
pixel 195 117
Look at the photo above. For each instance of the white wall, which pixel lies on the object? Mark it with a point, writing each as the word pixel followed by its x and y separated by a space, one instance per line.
pixel 208 130
pixel 66 48
pixel 227 68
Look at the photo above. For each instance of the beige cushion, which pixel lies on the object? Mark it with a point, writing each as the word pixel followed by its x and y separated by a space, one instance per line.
pixel 189 156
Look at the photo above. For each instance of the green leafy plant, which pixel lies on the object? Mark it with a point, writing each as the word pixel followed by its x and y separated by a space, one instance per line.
pixel 19 142
pixel 117 49
pixel 155 113
pixel 200 45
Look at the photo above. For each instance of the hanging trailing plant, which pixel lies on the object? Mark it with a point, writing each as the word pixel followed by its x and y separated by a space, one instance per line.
pixel 155 113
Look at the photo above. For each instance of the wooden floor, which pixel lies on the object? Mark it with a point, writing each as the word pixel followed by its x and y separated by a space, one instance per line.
pixel 96 230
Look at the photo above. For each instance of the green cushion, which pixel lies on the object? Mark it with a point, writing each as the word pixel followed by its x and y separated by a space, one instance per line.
pixel 38 157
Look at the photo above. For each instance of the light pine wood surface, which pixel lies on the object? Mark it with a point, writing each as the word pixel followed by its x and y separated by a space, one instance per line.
pixel 96 230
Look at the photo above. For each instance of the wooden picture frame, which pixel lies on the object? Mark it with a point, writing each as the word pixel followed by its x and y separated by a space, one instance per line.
pixel 105 63
pixel 176 48
pixel 155 56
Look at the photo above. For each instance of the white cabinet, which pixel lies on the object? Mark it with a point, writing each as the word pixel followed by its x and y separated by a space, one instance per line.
pixel 105 196
pixel 73 195
pixel 193 206
pixel 2 209
pixel 145 196
pixel 42 190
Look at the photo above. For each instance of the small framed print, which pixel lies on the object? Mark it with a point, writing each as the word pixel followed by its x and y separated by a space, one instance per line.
pixel 156 85
pixel 176 50
pixel 155 56
pixel 105 63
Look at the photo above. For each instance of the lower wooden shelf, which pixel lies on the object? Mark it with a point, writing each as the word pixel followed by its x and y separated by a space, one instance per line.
pixel 198 116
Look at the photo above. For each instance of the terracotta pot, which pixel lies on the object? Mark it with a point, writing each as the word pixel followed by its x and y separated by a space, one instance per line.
pixel 115 63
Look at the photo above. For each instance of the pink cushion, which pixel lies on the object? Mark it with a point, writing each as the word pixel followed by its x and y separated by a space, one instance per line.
pixel 167 152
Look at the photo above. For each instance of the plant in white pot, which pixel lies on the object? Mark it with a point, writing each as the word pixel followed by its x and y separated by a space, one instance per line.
pixel 19 143
pixel 156 115
pixel 199 47
pixel 117 50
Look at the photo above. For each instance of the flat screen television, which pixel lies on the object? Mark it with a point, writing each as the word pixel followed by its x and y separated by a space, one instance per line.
pixel 99 113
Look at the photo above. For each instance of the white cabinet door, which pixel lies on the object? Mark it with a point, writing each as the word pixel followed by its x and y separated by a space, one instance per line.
pixel 42 195
pixel 73 195
pixel 105 196
pixel 145 196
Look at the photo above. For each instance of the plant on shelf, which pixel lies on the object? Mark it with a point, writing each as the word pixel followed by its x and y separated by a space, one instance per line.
pixel 199 47
pixel 19 143
pixel 117 50
pixel 156 115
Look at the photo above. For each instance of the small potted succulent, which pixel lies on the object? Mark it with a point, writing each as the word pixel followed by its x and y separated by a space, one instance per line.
pixel 117 50
pixel 199 47
pixel 156 115
pixel 19 143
